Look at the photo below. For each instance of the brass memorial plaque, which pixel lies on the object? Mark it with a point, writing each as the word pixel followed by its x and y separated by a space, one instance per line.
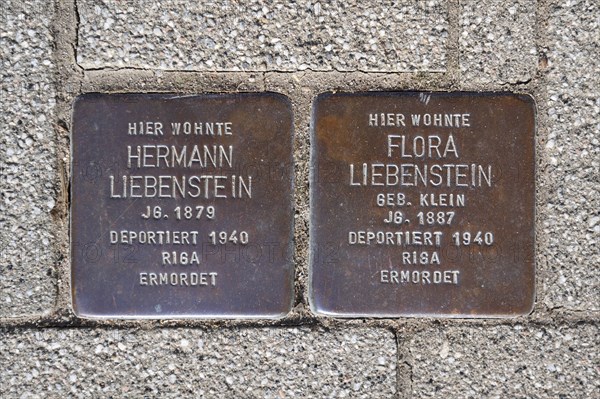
pixel 182 206
pixel 422 205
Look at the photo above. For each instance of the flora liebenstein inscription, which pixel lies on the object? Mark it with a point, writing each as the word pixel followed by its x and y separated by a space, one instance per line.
pixel 422 204
pixel 188 213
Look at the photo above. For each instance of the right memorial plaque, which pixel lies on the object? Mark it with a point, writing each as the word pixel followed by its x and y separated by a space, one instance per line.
pixel 422 204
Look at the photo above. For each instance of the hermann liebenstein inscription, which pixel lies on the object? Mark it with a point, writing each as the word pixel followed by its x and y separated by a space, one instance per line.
pixel 422 204
pixel 182 205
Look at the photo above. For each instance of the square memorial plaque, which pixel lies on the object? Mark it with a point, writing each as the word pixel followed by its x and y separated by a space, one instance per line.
pixel 422 205
pixel 182 206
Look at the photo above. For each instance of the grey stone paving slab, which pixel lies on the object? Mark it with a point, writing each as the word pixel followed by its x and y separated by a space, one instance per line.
pixel 225 363
pixel 506 362
pixel 570 216
pixel 27 158
pixel 262 35
pixel 573 46
pixel 497 41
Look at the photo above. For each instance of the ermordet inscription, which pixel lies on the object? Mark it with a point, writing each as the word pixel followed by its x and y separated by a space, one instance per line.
pixel 182 206
pixel 422 205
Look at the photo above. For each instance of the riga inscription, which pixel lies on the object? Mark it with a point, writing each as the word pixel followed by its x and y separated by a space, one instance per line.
pixel 422 205
pixel 182 205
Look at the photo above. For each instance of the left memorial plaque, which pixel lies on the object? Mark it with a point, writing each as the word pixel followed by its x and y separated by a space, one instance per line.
pixel 181 206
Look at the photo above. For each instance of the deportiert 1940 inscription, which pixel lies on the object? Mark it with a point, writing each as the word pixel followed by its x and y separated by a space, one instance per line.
pixel 182 205
pixel 422 205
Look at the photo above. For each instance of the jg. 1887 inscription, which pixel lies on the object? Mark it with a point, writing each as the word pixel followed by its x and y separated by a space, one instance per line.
pixel 422 204
pixel 182 205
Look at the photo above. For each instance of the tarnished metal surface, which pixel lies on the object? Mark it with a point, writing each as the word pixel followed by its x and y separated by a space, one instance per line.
pixel 194 224
pixel 422 205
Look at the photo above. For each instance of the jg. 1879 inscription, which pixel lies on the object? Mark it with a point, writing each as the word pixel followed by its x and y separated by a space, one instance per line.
pixel 422 204
pixel 182 205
